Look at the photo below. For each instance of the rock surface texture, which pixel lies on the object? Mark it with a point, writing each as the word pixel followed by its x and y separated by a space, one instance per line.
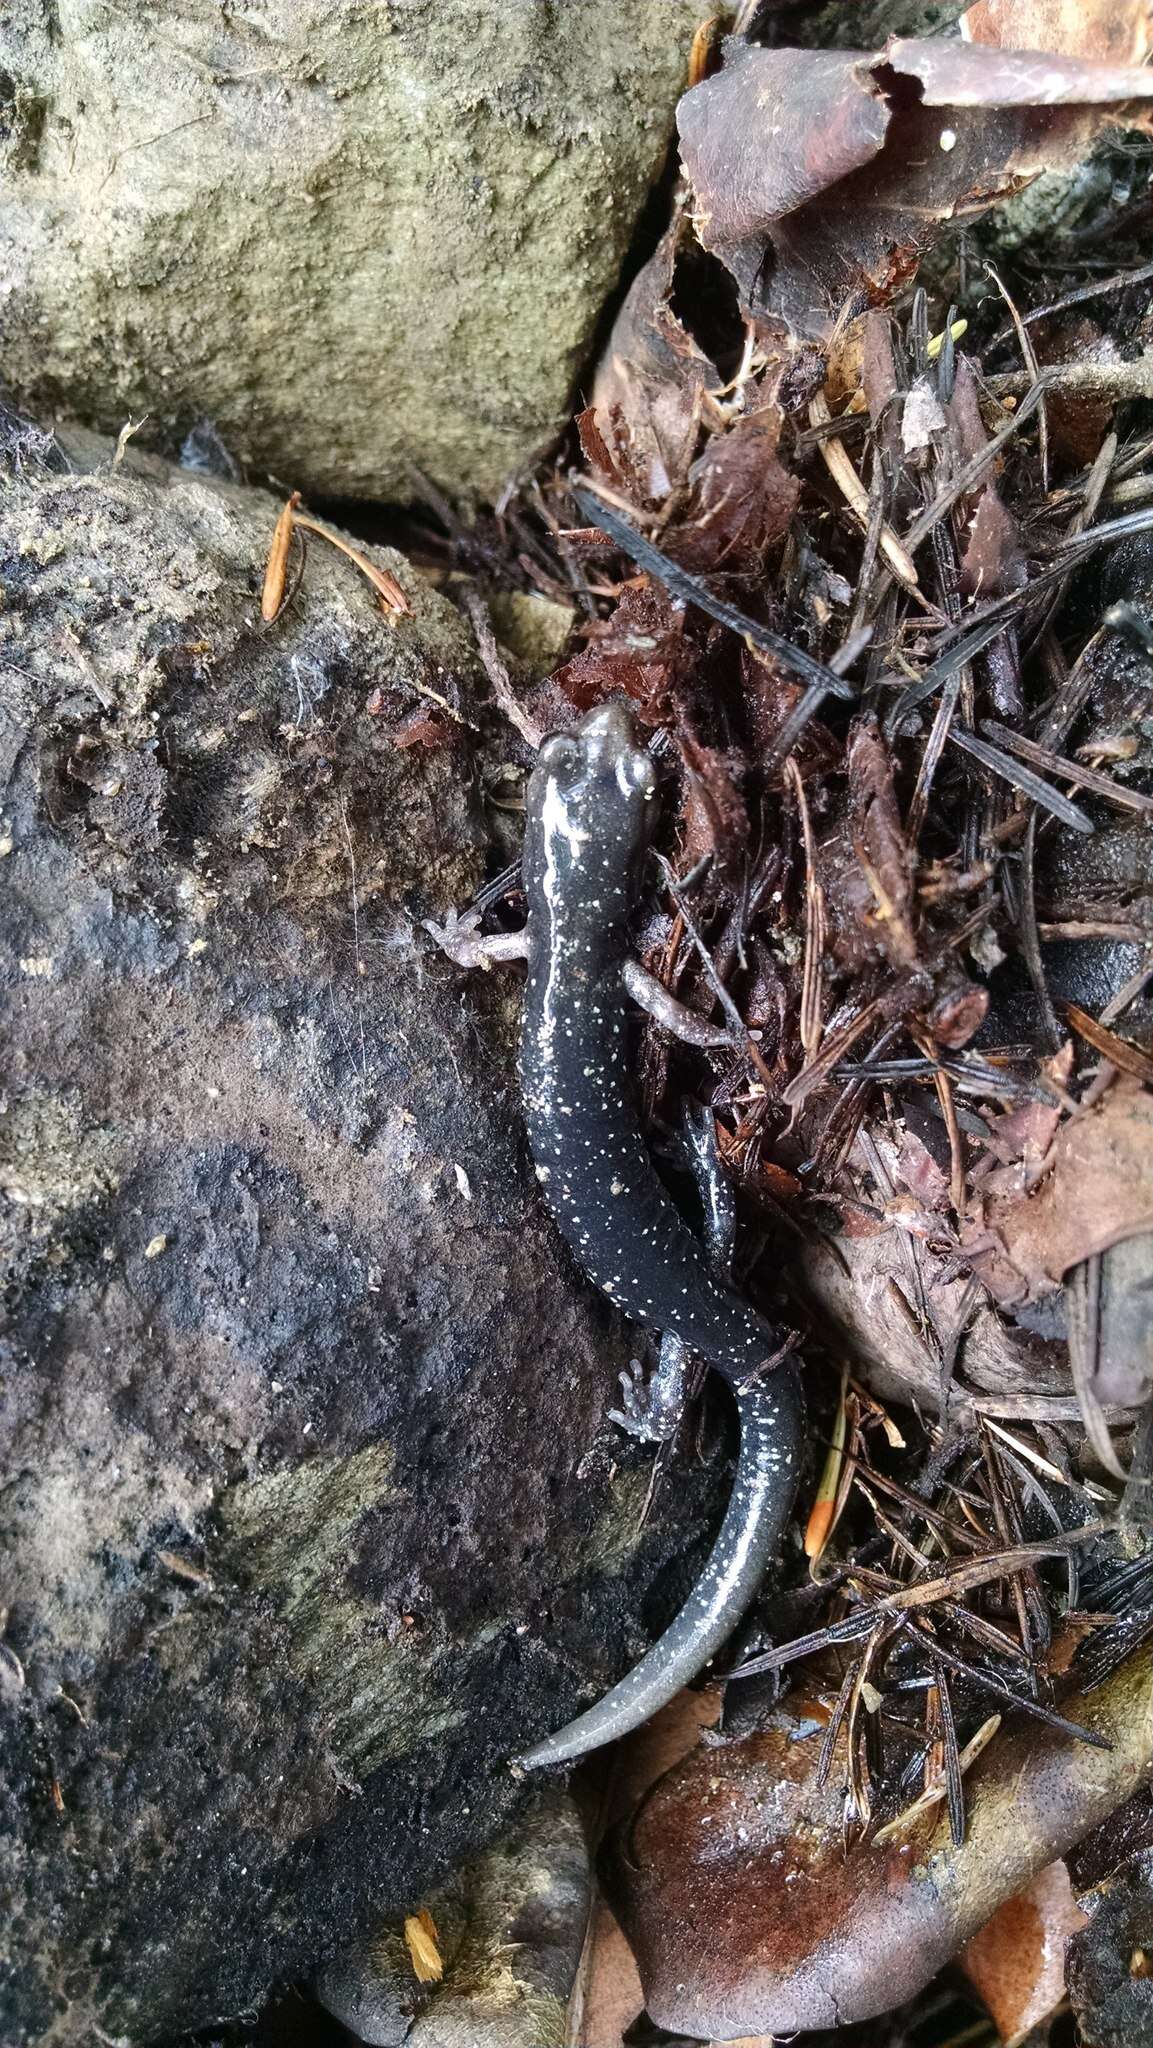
pixel 355 238
pixel 297 1389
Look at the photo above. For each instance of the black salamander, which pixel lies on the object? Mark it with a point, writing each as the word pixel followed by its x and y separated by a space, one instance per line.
pixel 590 807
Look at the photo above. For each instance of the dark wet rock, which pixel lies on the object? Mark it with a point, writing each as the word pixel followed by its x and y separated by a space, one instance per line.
pixel 310 1519
pixel 1109 1967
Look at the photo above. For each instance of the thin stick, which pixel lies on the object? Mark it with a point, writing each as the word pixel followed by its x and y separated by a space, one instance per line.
pixel 991 619
pixel 977 1571
pixel 1127 994
pixel 721 992
pixel 810 703
pixel 1117 1050
pixel 943 1083
pixel 1118 380
pixel 934 748
pixel 1069 771
pixel 691 591
pixel 839 465
pixel 1030 936
pixel 936 1792
pixel 1034 370
pixel 496 671
pixel 834 1049
pixel 1023 778
pixel 1085 292
pixel 815 925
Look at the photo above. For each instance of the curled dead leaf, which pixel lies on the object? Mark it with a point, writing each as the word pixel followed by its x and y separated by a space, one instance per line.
pixel 747 1914
pixel 650 385
pixel 1097 1192
pixel 820 177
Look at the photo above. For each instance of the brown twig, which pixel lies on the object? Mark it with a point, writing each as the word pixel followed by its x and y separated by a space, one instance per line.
pixel 1117 1050
pixel 815 925
pixel 495 669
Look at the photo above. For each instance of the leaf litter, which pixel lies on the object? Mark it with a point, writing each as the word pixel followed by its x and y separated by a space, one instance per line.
pixel 857 572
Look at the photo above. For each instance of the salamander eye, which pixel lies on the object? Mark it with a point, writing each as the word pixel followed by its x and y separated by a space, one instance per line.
pixel 636 770
pixel 560 755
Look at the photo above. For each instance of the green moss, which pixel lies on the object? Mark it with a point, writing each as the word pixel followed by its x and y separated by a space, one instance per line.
pixel 613 1538
pixel 290 1535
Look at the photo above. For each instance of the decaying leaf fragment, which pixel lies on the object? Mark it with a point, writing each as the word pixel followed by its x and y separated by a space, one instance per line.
pixel 743 498
pixel 879 842
pixel 821 177
pixel 1097 1192
pixel 650 385
pixel 642 652
pixel 747 1915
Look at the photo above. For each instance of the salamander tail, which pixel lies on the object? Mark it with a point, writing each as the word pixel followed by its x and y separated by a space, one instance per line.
pixel 771 1414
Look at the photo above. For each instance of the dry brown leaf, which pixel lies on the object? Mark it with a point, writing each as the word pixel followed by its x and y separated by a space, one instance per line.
pixel 746 1913
pixel 1017 1961
pixel 1020 1138
pixel 1108 31
pixel 1097 1192
pixel 608 1999
pixel 650 384
pixel 820 177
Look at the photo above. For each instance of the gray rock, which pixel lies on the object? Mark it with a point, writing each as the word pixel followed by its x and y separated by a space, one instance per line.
pixel 508 1932
pixel 309 1515
pixel 353 237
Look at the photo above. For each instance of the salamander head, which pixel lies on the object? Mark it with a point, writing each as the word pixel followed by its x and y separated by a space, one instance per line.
pixel 591 797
